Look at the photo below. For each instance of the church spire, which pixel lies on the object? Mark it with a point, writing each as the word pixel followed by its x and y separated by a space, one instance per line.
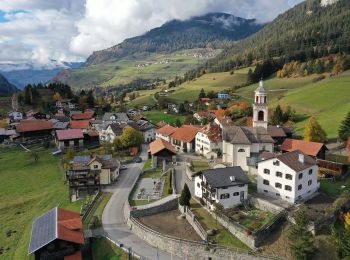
pixel 260 108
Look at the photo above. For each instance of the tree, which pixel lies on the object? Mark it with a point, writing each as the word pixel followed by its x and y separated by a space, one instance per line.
pixel 202 94
pixel 91 99
pixel 182 109
pixel 185 196
pixel 301 240
pixel 277 116
pixel 57 97
pixel 344 129
pixel 342 241
pixel 131 137
pixel 212 106
pixel 313 131
pixel 178 122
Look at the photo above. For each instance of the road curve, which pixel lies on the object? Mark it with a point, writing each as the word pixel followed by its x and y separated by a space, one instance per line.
pixel 113 217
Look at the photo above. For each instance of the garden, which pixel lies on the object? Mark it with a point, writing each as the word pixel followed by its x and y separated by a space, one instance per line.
pixel 198 165
pixel 250 219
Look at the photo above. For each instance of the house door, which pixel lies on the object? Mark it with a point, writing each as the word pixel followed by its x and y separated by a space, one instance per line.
pixel 241 196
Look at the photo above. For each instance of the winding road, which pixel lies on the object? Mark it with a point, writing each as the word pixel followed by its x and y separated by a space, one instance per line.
pixel 113 217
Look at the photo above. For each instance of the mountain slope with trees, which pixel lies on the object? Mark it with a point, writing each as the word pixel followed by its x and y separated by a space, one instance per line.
pixel 6 88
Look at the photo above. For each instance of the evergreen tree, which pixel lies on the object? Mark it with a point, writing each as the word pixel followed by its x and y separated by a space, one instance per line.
pixel 301 241
pixel 344 129
pixel 91 99
pixel 313 132
pixel 178 122
pixel 182 109
pixel 185 196
pixel 277 116
pixel 202 94
pixel 342 240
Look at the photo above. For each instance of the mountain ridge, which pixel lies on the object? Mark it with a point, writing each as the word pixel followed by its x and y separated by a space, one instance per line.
pixel 6 88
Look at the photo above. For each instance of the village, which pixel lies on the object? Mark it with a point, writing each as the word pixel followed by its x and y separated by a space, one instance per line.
pixel 185 190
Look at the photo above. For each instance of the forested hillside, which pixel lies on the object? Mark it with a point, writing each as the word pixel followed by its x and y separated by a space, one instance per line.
pixel 307 31
pixel 6 88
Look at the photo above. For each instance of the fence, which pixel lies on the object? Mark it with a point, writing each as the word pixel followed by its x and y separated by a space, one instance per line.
pixel 192 219
pixel 91 207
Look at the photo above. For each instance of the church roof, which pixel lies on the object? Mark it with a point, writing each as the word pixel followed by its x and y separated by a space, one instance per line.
pixel 246 135
pixel 261 88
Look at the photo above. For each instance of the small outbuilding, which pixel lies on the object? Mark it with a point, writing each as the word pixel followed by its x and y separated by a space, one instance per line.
pixel 161 150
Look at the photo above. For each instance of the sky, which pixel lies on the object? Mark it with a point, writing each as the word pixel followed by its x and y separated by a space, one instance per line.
pixel 38 31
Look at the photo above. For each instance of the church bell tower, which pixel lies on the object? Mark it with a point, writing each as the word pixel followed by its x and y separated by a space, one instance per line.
pixel 260 108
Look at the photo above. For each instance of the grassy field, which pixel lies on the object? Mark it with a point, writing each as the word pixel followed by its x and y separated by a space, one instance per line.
pixel 103 249
pixel 165 66
pixel 156 116
pixel 27 190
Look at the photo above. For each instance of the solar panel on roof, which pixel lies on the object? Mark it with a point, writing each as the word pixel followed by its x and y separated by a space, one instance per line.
pixel 106 157
pixel 85 158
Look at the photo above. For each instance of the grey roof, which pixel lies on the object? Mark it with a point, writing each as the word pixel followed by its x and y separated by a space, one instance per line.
pixel 117 128
pixel 60 125
pixel 219 178
pixel 291 159
pixel 246 135
pixel 276 131
pixel 145 125
pixel 84 158
pixel 261 88
pixel 119 117
pixel 44 230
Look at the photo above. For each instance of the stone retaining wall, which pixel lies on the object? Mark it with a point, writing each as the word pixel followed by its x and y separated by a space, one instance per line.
pixel 191 218
pixel 167 206
pixel 265 205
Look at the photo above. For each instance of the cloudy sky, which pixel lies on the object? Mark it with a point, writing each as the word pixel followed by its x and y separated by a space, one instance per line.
pixel 70 30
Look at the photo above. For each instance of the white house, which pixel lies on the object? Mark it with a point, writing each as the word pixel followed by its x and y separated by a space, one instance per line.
pixel 224 95
pixel 227 186
pixel 290 176
pixel 184 138
pixel 111 132
pixel 209 141
pixel 147 129
pixel 112 118
pixel 165 132
pixel 15 116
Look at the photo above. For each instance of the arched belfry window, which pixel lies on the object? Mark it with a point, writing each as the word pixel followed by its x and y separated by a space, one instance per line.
pixel 257 99
pixel 261 116
pixel 265 100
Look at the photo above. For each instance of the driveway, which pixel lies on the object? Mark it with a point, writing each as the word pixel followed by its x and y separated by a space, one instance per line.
pixel 181 178
pixel 113 217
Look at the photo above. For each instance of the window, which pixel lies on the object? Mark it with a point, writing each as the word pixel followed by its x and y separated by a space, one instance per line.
pixel 277 163
pixel 278 195
pixel 310 171
pixel 279 174
pixel 300 175
pixel 198 185
pixel 236 194
pixel 309 182
pixel 289 176
pixel 266 191
pixel 288 188
pixel 266 171
pixel 278 185
pixel 224 196
pixel 241 185
pixel 261 116
pixel 95 166
pixel 287 197
pixel 241 150
pixel 300 186
pixel 266 182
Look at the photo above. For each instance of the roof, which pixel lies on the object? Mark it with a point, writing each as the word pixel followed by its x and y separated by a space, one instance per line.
pixel 69 134
pixel 33 125
pixel 82 162
pixel 6 132
pixel 76 256
pixel 144 125
pixel 119 117
pixel 276 131
pixel 261 88
pixel 246 135
pixel 291 159
pixel 161 124
pixel 309 148
pixel 60 125
pixel 166 130
pixel 186 133
pixel 118 128
pixel 213 132
pixel 221 177
pixel 225 121
pixel 79 124
pixel 83 116
pixel 57 223
pixel 159 145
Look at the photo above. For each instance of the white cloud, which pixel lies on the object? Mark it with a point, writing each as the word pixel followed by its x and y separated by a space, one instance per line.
pixel 70 29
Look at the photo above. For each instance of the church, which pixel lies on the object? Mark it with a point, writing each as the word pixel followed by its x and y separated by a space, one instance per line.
pixel 243 145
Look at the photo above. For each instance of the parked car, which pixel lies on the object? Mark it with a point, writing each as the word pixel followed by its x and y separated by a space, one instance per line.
pixel 138 159
pixel 123 167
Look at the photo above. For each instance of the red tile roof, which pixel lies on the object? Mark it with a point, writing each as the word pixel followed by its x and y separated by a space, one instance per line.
pixel 167 130
pixel 69 225
pixel 186 133
pixel 79 124
pixel 159 145
pixel 69 134
pixel 161 124
pixel 213 132
pixel 33 125
pixel 83 116
pixel 308 148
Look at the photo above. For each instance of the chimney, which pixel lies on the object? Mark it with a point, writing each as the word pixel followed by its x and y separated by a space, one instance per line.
pixel 232 178
pixel 301 158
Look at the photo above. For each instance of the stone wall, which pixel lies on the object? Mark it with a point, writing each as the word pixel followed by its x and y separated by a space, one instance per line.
pixel 191 218
pixel 167 206
pixel 265 205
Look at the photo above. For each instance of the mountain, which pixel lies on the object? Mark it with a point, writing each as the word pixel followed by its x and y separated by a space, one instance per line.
pixel 6 88
pixel 21 74
pixel 312 29
pixel 165 52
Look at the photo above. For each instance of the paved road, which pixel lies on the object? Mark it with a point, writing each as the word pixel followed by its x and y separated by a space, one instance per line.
pixel 113 217
pixel 181 178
